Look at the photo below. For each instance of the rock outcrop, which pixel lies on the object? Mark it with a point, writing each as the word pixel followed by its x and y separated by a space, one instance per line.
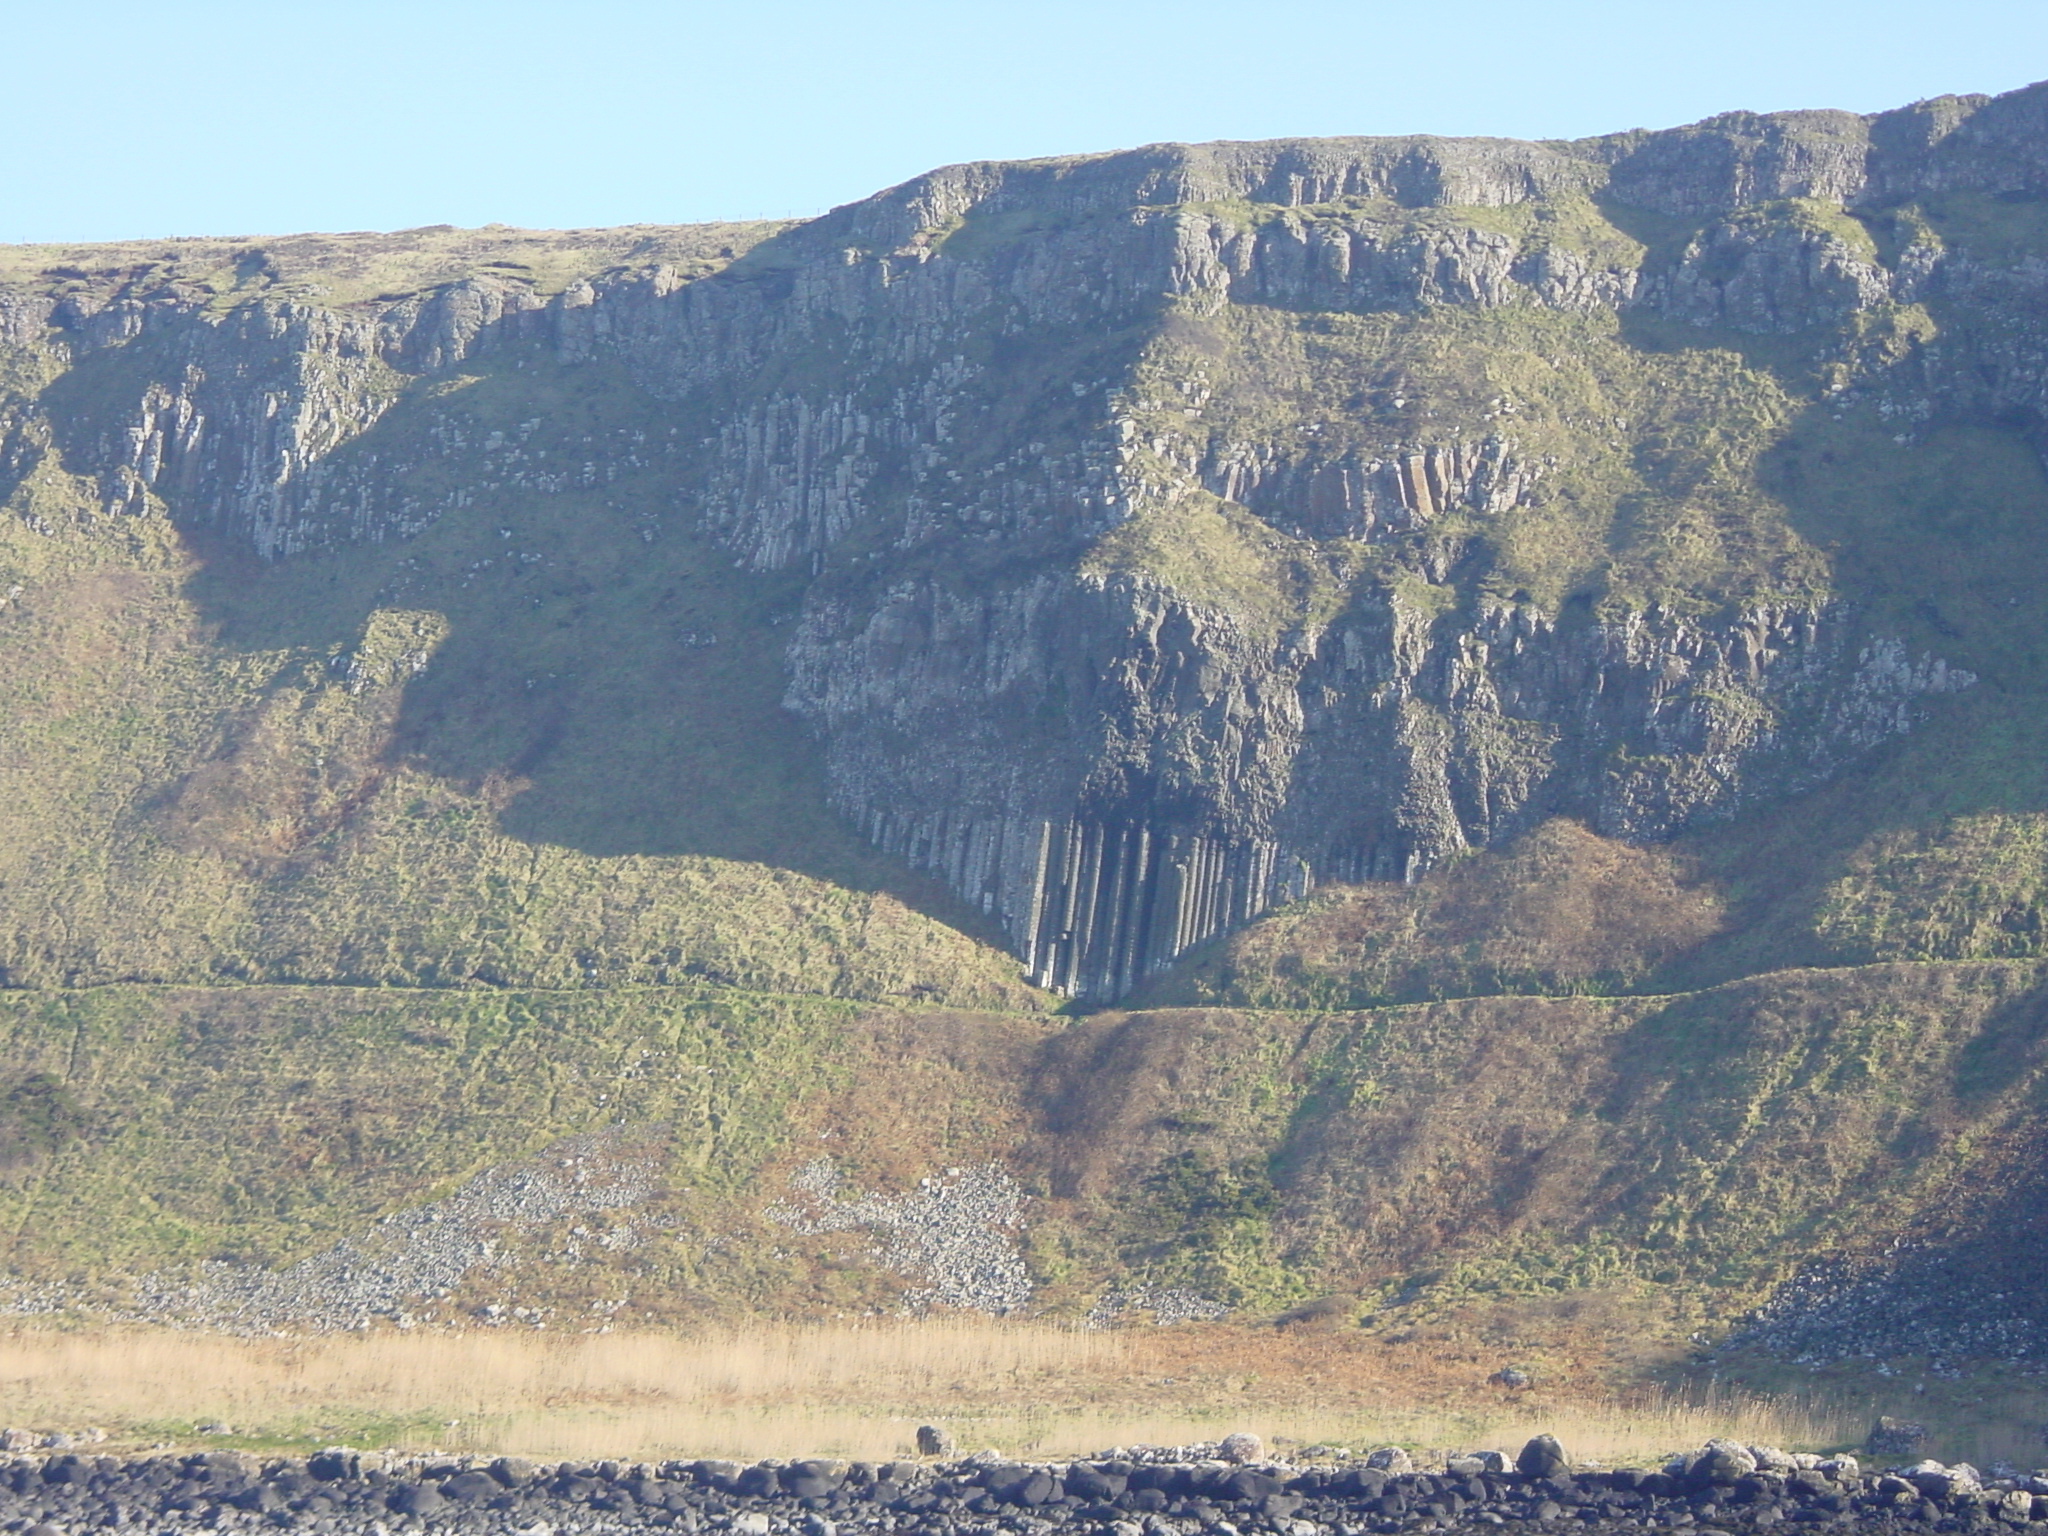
pixel 1186 527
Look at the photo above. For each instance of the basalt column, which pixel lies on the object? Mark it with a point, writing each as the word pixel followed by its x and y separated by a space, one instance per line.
pixel 1110 904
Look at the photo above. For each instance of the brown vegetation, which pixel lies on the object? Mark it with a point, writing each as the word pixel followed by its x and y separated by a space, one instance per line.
pixel 861 1391
pixel 1562 911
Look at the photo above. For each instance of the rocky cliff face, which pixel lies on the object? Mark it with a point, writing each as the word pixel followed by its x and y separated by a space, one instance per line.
pixel 1180 529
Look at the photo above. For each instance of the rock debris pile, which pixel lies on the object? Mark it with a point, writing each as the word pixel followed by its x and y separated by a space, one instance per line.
pixel 1722 1486
pixel 409 1257
pixel 956 1233
pixel 1167 1304
pixel 1903 1306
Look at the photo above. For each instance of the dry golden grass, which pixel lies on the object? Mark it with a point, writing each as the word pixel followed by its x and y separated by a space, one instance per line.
pixel 846 1390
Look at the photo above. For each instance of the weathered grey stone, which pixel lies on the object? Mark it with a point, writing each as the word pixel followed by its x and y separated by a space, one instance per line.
pixel 1241 1447
pixel 1895 1439
pixel 472 1485
pixel 1769 1458
pixel 1542 1457
pixel 418 1499
pixel 513 1471
pixel 1719 1463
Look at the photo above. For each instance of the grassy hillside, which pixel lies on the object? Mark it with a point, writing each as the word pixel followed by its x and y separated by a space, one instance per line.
pixel 521 776
pixel 150 1128
pixel 226 771
pixel 1560 912
pixel 1419 1158
pixel 332 882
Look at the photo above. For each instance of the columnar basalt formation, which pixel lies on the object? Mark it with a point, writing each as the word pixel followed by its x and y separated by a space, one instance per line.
pixel 1179 529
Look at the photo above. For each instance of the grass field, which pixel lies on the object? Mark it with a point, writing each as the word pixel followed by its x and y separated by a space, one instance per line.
pixel 851 1390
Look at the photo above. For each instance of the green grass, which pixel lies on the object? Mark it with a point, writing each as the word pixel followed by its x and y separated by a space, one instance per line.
pixel 1220 557
pixel 1702 1143
pixel 362 267
pixel 326 883
pixel 265 1122
pixel 498 754
pixel 1430 1155
pixel 1648 459
pixel 1973 888
pixel 1983 225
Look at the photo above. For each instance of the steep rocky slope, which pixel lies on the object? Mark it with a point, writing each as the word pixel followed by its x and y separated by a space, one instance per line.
pixel 1162 535
pixel 1314 580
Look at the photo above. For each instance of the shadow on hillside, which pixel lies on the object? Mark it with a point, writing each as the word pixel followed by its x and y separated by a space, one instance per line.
pixel 614 684
pixel 610 682
pixel 1921 1214
pixel 1936 526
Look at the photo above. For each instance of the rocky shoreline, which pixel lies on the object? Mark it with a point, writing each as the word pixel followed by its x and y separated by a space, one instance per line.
pixel 1230 1491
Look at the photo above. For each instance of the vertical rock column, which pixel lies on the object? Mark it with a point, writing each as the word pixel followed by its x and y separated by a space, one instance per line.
pixel 1112 904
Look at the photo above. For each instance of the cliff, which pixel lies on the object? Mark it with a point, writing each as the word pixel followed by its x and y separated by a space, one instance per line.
pixel 1523 661
pixel 1166 534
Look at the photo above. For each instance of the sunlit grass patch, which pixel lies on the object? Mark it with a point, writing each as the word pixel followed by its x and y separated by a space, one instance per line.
pixel 852 1390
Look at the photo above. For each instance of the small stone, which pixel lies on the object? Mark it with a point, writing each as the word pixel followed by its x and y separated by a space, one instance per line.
pixel 1514 1378
pixel 418 1499
pixel 1720 1463
pixel 1770 1459
pixel 1542 1457
pixel 1390 1458
pixel 335 1463
pixel 1241 1447
pixel 1957 1482
pixel 934 1441
pixel 472 1485
pixel 750 1523
pixel 260 1500
pixel 1895 1439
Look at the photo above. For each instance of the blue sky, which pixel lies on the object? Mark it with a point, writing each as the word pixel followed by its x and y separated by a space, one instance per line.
pixel 226 117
